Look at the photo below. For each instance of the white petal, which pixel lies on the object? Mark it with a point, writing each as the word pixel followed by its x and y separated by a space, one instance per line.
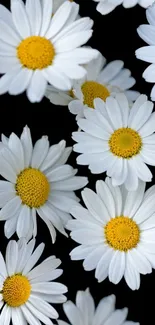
pixel 11 209
pixel 20 82
pixel 71 184
pixel 11 257
pixel 18 317
pixel 39 315
pixel 95 205
pixel 73 313
pixel 10 227
pixel 26 141
pixel 93 258
pixel 7 33
pixel 59 19
pixel 37 87
pixel 49 288
pixel 41 146
pixel 29 316
pixel 104 309
pixel 46 16
pixel 56 78
pixel 7 171
pixel 3 270
pixel 23 223
pixel 20 19
pixel 53 155
pixel 118 316
pixel 33 259
pixel 133 200
pixel 132 276
pixel 34 12
pixel 117 267
pixel 139 261
pixel 5 316
pixel 17 149
pixel 43 306
pixel 49 225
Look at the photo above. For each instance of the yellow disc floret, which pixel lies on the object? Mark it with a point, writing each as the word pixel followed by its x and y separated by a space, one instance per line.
pixel 122 233
pixel 125 143
pixel 16 290
pixel 33 187
pixel 35 52
pixel 92 90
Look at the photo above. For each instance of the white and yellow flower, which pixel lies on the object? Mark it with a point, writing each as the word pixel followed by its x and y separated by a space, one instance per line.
pixel 36 48
pixel 118 140
pixel 38 181
pixel 102 80
pixel 116 232
pixel 85 313
pixel 147 53
pixel 106 6
pixel 25 291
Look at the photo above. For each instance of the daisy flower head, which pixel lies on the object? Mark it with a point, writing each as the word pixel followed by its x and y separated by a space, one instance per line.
pixel 37 48
pixel 102 80
pixel 116 232
pixel 118 140
pixel 106 6
pixel 146 53
pixel 26 291
pixel 38 181
pixel 85 313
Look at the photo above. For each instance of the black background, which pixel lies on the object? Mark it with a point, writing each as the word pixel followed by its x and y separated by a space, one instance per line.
pixel 116 37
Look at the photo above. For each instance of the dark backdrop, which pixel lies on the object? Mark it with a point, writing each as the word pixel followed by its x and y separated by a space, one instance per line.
pixel 116 37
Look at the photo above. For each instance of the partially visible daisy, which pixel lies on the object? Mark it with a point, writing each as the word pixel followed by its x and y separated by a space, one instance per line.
pixel 116 232
pixel 106 6
pixel 38 181
pixel 102 80
pixel 147 53
pixel 83 312
pixel 25 291
pixel 38 49
pixel 118 140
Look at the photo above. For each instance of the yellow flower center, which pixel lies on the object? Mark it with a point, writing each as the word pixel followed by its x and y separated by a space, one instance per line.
pixel 33 187
pixel 125 143
pixel 35 52
pixel 16 290
pixel 92 90
pixel 122 233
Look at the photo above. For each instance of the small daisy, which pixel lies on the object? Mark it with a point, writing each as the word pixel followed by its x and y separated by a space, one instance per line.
pixel 37 48
pixel 118 140
pixel 116 232
pixel 84 312
pixel 25 292
pixel 38 180
pixel 147 53
pixel 102 80
pixel 106 6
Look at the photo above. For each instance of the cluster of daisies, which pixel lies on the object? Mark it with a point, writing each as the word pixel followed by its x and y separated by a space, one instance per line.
pixel 42 52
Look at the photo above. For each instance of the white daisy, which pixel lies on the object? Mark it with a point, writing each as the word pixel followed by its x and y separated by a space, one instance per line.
pixel 106 6
pixel 84 312
pixel 116 232
pixel 147 53
pixel 25 292
pixel 38 180
pixel 118 140
pixel 36 49
pixel 102 80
